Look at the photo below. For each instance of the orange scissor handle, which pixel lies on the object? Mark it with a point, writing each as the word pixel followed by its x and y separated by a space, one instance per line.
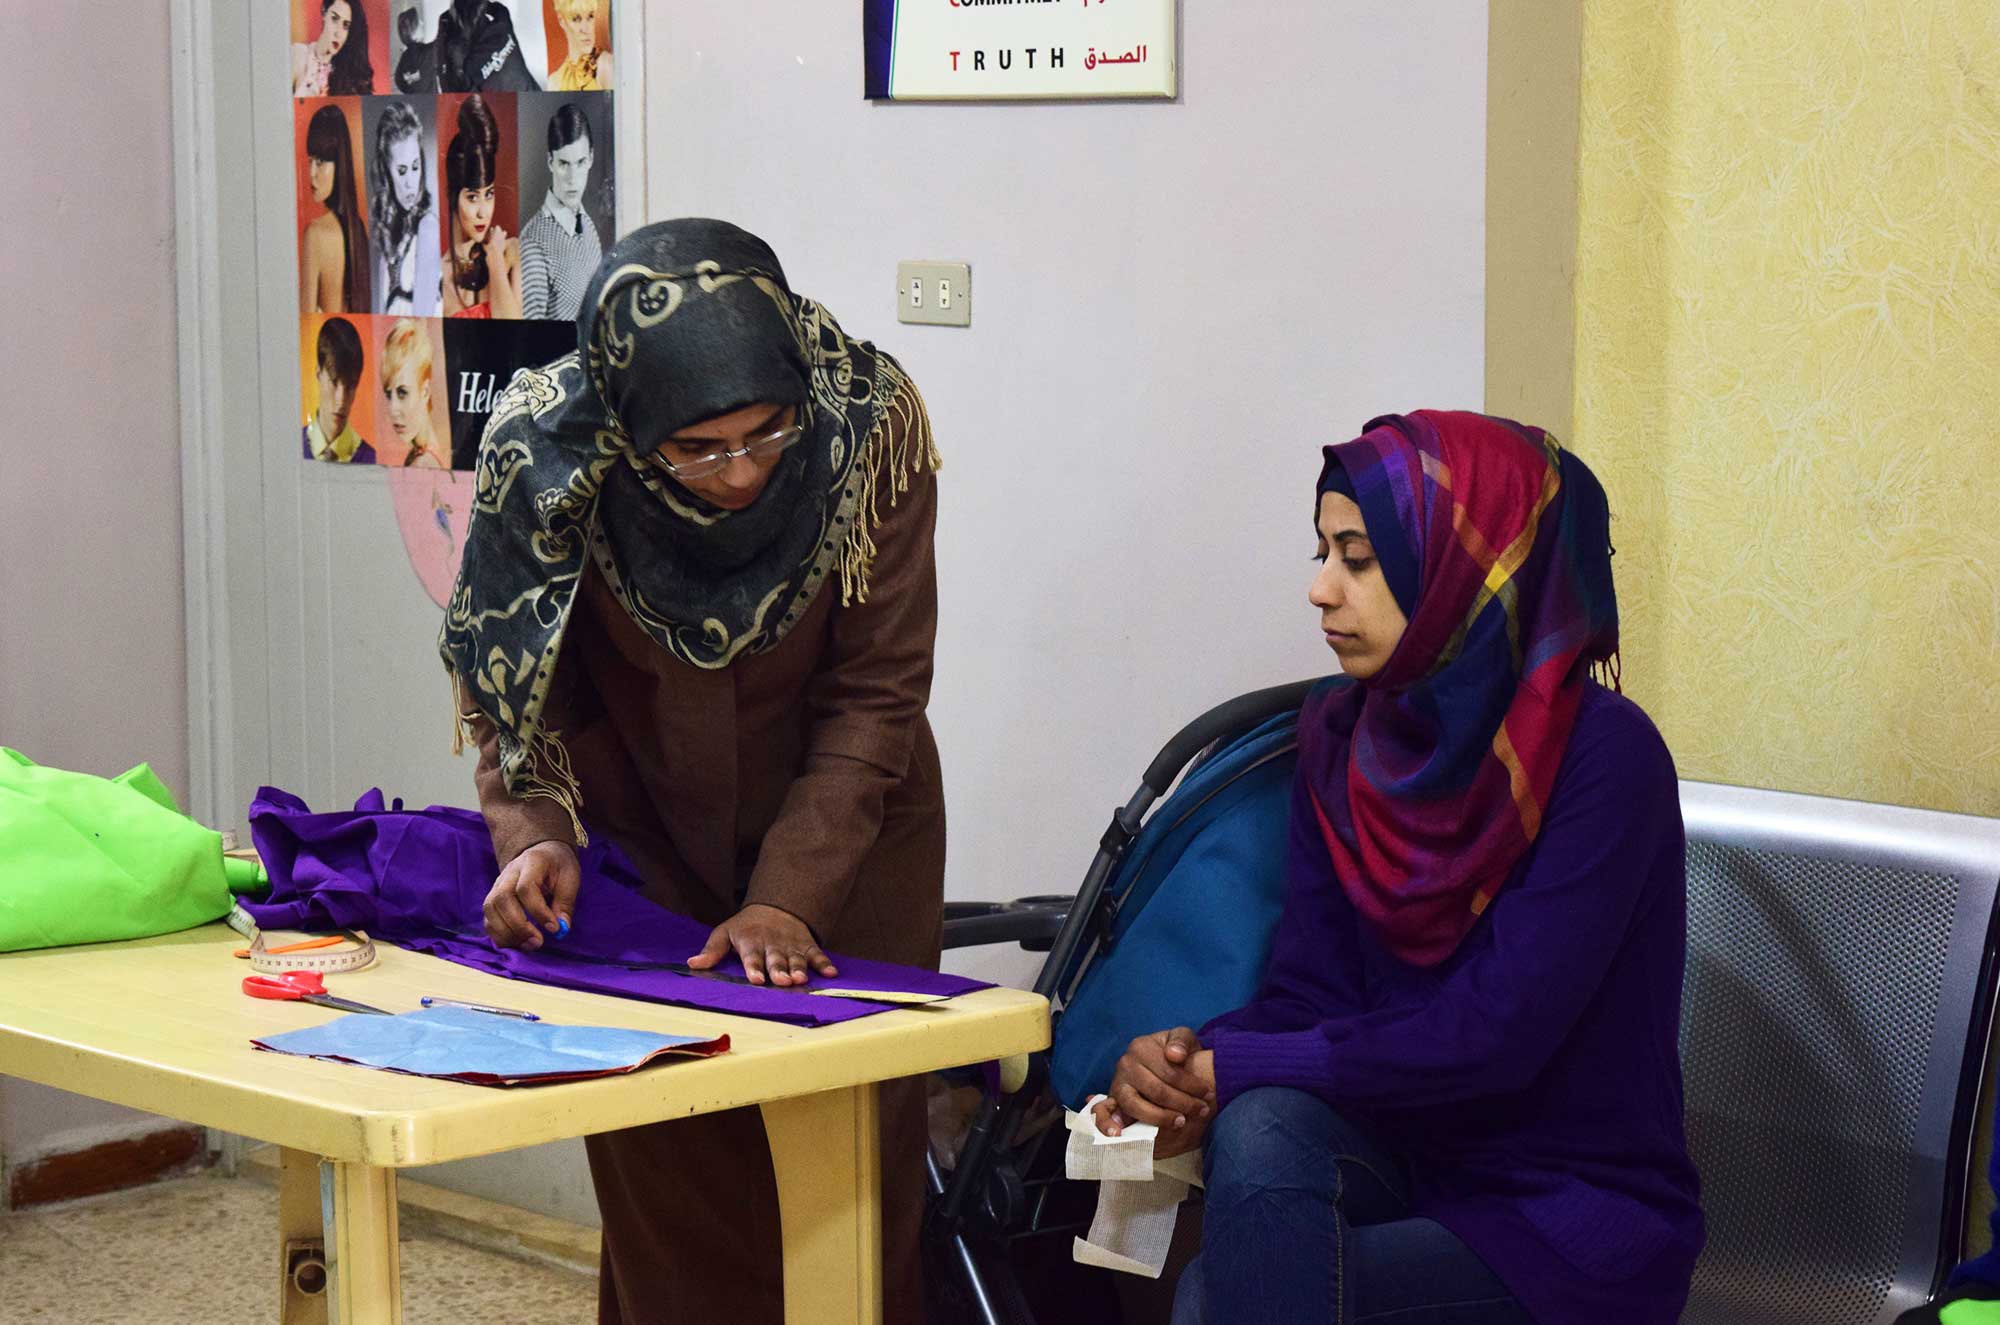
pixel 289 985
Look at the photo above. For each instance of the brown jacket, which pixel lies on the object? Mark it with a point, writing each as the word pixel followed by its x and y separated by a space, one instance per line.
pixel 771 780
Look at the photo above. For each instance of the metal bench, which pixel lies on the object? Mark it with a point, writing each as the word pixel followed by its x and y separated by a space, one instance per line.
pixel 1834 1038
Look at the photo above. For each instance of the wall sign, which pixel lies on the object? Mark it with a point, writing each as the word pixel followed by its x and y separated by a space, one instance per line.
pixel 929 50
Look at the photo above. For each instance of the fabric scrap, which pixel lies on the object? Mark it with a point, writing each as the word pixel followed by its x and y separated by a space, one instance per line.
pixel 1139 1201
pixel 459 1044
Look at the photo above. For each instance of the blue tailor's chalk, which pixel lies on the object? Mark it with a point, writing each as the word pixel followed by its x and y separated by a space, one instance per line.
pixel 562 927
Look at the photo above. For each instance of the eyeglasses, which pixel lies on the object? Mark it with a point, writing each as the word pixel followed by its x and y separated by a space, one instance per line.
pixel 757 449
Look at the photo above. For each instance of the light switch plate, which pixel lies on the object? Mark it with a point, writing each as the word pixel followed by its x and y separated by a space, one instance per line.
pixel 937 294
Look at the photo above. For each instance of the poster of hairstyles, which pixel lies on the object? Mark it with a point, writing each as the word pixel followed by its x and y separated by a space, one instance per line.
pixel 454 192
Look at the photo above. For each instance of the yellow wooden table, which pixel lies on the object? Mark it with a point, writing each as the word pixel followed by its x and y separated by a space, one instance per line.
pixel 162 1024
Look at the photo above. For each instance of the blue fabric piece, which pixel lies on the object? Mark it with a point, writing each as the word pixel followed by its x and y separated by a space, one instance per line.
pixel 1198 893
pixel 463 1045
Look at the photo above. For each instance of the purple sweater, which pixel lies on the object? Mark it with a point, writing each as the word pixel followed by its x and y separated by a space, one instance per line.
pixel 1533 1079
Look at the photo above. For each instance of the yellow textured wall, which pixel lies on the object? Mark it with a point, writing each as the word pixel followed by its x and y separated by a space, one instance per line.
pixel 1788 375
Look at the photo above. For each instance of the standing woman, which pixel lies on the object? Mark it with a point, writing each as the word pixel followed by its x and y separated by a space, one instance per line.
pixel 1457 1096
pixel 406 276
pixel 483 270
pixel 696 613
pixel 333 277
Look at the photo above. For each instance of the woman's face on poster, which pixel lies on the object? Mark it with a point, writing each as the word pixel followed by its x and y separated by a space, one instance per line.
pixel 475 213
pixel 334 23
pixel 406 171
pixel 409 403
pixel 569 173
pixel 320 175
pixel 580 26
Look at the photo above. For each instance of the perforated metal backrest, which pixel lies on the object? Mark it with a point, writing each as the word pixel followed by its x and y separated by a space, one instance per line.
pixel 1836 975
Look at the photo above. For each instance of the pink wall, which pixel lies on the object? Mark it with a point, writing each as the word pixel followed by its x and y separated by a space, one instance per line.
pixel 93 666
pixel 93 657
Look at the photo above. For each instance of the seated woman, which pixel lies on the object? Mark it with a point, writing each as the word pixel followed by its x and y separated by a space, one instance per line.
pixel 1457 1096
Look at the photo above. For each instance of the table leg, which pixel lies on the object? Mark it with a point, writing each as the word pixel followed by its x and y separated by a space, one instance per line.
pixel 827 1152
pixel 358 1204
pixel 301 1245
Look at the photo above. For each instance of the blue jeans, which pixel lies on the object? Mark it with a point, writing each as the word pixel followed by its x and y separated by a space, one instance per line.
pixel 1307 1220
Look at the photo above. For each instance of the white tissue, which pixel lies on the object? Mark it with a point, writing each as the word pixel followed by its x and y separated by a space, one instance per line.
pixel 1136 1212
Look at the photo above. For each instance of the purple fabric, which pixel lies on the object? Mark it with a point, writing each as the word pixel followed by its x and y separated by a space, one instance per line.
pixel 417 878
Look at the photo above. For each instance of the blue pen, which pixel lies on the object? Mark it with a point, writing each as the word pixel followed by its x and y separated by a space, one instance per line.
pixel 429 1002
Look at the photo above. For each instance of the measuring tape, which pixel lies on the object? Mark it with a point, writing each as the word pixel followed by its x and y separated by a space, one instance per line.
pixel 358 955
pixel 326 961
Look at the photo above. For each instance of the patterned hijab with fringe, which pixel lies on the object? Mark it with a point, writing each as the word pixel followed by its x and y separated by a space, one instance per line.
pixel 1430 778
pixel 684 321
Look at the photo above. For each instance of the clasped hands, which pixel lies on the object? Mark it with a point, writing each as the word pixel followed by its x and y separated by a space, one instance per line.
pixel 1166 1079
pixel 537 891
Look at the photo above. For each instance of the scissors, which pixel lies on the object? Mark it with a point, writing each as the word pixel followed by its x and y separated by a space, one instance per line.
pixel 306 986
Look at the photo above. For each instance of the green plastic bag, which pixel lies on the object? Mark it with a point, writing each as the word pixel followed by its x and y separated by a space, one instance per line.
pixel 87 859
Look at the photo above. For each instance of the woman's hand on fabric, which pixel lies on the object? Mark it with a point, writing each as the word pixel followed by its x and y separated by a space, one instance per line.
pixel 536 893
pixel 1166 1079
pixel 772 943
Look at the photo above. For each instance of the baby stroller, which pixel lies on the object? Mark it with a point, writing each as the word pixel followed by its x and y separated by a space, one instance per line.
pixel 1193 888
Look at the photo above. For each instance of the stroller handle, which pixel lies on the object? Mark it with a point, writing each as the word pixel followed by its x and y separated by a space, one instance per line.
pixel 1226 719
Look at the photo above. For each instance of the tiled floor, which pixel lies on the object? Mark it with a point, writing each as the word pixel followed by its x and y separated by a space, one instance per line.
pixel 200 1250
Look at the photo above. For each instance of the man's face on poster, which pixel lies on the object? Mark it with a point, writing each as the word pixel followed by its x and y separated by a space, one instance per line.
pixel 336 402
pixel 569 173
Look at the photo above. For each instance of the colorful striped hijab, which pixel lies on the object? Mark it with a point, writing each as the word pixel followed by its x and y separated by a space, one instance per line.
pixel 1431 778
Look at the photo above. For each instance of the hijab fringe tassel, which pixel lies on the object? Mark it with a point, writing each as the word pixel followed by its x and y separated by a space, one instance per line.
pixel 544 770
pixel 1609 672
pixel 900 446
